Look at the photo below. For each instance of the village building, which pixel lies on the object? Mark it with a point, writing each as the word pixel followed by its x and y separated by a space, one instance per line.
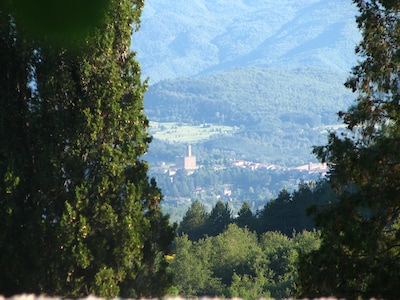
pixel 187 162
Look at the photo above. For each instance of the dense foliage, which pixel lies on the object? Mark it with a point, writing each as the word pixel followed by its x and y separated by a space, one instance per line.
pixel 78 214
pixel 359 255
pixel 238 263
pixel 247 255
pixel 286 213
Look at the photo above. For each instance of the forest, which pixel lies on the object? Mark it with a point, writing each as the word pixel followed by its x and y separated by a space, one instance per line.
pixel 238 263
pixel 250 255
pixel 251 97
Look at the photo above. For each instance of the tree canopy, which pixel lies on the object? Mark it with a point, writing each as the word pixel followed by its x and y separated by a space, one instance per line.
pixel 239 263
pixel 194 222
pixel 359 255
pixel 79 213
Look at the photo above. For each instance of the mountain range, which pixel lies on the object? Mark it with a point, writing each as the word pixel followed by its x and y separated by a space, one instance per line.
pixel 274 70
pixel 193 38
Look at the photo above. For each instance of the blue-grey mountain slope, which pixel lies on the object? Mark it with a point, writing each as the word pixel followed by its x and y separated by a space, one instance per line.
pixel 188 38
pixel 274 69
pixel 279 114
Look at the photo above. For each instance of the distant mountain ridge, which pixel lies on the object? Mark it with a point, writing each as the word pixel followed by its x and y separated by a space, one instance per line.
pixel 272 69
pixel 251 97
pixel 279 114
pixel 190 38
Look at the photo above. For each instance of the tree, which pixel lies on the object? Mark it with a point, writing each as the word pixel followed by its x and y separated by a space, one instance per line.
pixel 359 254
pixel 19 228
pixel 282 257
pixel 44 19
pixel 236 250
pixel 194 221
pixel 277 214
pixel 154 277
pixel 245 216
pixel 191 266
pixel 79 213
pixel 247 287
pixel 219 218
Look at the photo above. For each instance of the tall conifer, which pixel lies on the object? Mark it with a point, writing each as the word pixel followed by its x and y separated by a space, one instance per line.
pixel 359 255
pixel 96 225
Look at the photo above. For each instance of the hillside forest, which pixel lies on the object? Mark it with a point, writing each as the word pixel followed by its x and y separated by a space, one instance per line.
pixel 269 116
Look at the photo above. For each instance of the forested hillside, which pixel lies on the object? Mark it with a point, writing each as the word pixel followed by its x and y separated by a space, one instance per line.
pixel 273 69
pixel 278 114
pixel 189 38
pixel 251 97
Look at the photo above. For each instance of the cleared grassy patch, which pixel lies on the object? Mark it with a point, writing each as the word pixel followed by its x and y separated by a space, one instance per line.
pixel 184 133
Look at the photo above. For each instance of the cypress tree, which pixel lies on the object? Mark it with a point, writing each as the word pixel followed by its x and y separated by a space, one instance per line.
pixel 96 225
pixel 20 212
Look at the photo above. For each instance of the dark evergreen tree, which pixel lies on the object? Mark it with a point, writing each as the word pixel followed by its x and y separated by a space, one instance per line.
pixel 20 213
pixel 289 212
pixel 153 276
pixel 245 216
pixel 220 217
pixel 277 214
pixel 79 213
pixel 359 255
pixel 194 222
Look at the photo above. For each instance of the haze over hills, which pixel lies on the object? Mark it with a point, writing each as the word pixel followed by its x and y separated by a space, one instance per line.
pixel 255 80
pixel 191 38
pixel 250 97
pixel 276 116
pixel 274 70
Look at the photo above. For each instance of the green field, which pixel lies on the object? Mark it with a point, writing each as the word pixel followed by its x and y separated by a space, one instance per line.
pixel 184 133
